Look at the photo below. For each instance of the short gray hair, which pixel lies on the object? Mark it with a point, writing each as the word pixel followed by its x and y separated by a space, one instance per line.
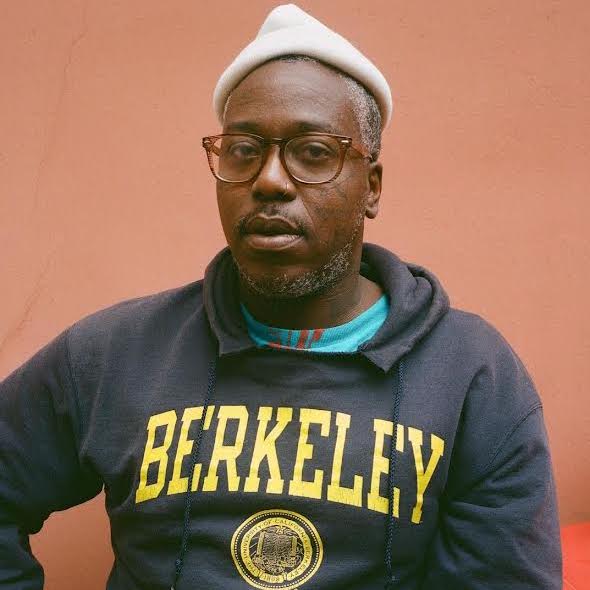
pixel 363 103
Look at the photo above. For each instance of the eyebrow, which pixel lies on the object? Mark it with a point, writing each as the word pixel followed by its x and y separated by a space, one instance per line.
pixel 298 127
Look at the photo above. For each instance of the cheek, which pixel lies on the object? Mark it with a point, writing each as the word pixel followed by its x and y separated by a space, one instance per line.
pixel 228 204
pixel 337 209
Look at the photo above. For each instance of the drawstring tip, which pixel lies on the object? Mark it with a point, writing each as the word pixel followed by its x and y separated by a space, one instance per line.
pixel 389 585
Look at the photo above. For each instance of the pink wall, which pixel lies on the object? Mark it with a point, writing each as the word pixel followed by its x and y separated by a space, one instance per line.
pixel 105 193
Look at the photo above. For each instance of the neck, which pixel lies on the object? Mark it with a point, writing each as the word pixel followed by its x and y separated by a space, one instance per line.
pixel 352 295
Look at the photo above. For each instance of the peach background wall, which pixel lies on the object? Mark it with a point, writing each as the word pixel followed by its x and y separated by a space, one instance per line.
pixel 105 193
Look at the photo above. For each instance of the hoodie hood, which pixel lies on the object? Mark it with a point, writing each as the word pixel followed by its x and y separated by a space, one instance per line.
pixel 417 302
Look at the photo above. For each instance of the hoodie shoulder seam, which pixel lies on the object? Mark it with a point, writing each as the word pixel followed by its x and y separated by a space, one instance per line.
pixel 74 388
pixel 524 416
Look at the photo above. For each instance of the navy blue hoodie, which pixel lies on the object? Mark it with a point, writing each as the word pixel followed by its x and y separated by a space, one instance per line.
pixel 418 462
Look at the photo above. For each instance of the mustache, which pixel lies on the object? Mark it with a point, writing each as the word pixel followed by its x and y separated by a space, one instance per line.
pixel 268 211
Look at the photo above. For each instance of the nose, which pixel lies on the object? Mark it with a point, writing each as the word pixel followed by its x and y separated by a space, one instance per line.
pixel 273 181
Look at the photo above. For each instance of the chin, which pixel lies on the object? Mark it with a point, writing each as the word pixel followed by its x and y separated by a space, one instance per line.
pixel 290 284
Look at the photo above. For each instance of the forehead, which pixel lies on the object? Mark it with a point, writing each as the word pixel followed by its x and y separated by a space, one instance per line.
pixel 282 97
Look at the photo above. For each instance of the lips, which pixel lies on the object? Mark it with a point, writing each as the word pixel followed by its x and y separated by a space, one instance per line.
pixel 271 233
pixel 271 226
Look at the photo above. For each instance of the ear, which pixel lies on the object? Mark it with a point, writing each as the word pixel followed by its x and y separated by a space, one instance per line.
pixel 375 175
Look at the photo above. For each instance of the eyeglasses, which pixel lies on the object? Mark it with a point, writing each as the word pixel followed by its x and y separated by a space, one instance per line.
pixel 309 158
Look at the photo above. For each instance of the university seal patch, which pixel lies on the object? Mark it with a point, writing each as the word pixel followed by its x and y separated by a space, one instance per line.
pixel 276 549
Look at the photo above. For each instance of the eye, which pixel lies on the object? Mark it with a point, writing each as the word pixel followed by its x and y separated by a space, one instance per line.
pixel 242 150
pixel 313 151
pixel 317 150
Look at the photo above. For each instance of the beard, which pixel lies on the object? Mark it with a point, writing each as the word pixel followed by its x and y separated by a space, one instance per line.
pixel 311 282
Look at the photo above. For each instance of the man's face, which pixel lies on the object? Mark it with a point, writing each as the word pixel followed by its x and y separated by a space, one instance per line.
pixel 281 99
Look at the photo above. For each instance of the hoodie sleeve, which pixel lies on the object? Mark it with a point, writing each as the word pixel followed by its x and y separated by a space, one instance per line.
pixel 40 468
pixel 498 525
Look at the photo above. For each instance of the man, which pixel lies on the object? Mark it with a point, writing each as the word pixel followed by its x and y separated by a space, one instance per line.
pixel 312 414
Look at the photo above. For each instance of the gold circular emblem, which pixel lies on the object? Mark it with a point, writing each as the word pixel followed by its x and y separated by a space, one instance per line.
pixel 276 549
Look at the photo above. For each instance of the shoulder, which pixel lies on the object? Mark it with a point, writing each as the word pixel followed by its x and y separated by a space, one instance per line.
pixel 500 395
pixel 474 334
pixel 492 387
pixel 480 345
pixel 140 310
pixel 150 317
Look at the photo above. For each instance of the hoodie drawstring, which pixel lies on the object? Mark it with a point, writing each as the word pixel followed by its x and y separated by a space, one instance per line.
pixel 397 395
pixel 179 561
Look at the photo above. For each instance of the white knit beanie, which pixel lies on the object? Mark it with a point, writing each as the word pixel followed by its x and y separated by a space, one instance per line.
pixel 289 30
